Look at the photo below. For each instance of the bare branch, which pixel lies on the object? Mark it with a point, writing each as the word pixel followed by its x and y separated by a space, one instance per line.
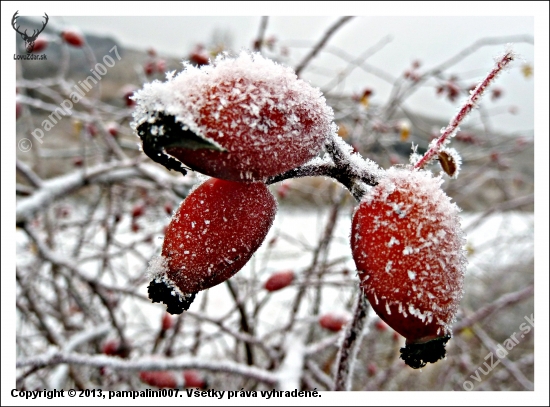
pixel 258 43
pixel 470 104
pixel 489 309
pixel 147 363
pixel 307 59
pixel 352 340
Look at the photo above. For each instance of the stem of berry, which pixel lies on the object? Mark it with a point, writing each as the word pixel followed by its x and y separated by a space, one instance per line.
pixel 348 168
pixel 471 103
pixel 350 346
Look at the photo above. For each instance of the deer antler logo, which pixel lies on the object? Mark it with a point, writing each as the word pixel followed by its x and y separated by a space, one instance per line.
pixel 29 39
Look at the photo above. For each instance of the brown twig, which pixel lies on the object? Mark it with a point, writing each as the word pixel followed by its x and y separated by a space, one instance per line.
pixel 348 351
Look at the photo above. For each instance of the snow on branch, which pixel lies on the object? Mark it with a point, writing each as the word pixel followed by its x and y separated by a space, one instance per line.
pixel 109 173
pixel 150 363
pixel 350 347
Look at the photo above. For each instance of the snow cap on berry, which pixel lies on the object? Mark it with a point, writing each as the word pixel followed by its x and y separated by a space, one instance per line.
pixel 255 115
pixel 183 94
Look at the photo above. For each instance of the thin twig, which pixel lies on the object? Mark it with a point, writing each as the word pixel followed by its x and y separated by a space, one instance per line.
pixel 470 104
pixel 350 346
pixel 258 43
pixel 307 59
pixel 489 309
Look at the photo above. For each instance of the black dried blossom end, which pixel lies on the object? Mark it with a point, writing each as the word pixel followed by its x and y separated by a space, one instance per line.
pixel 162 291
pixel 417 355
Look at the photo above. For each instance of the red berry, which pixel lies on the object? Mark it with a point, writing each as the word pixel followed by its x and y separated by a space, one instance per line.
pixel 168 208
pixel 110 347
pixel 73 38
pixel 18 110
pixel 194 379
pixel 91 129
pixel 127 93
pixel 40 44
pixel 372 369
pixel 242 119
pixel 138 211
pixel 279 280
pixel 149 68
pixel 163 379
pixel 453 90
pixel 214 233
pixel 113 129
pixel 161 65
pixel 199 56
pixel 282 191
pixel 113 347
pixel 332 322
pixel 167 322
pixel 78 161
pixel 407 245
pixel 467 137
pixel 496 93
pixel 135 227
pixel 381 326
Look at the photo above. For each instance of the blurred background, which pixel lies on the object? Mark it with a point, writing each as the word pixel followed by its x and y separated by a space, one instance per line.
pixel 395 43
pixel 91 209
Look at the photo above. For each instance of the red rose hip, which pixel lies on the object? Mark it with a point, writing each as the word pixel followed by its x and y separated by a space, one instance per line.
pixel 40 45
pixel 163 379
pixel 407 245
pixel 279 280
pixel 214 233
pixel 73 37
pixel 333 322
pixel 240 119
pixel 193 379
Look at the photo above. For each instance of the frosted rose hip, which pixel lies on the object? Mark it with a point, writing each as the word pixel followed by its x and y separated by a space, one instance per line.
pixel 214 233
pixel 259 118
pixel 407 245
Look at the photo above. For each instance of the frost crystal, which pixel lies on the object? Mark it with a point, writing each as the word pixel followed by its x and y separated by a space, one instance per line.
pixel 157 267
pixel 248 106
pixel 410 233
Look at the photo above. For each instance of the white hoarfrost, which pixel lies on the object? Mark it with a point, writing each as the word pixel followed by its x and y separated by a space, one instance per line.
pixel 249 105
pixel 409 226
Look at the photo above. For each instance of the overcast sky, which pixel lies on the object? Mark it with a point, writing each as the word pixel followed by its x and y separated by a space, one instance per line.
pixel 420 36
